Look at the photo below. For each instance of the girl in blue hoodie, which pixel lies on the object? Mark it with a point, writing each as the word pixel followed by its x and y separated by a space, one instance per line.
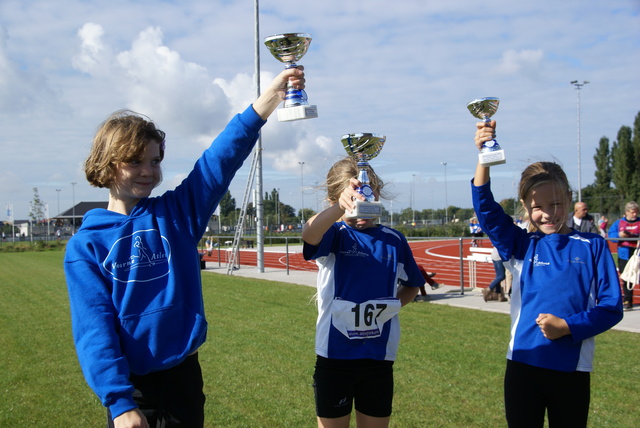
pixel 565 292
pixel 133 271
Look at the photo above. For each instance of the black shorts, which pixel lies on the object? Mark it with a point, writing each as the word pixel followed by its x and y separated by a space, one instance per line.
pixel 530 392
pixel 171 397
pixel 338 383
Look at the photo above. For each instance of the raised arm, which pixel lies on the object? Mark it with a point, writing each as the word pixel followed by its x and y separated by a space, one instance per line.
pixel 485 132
pixel 269 100
pixel 315 228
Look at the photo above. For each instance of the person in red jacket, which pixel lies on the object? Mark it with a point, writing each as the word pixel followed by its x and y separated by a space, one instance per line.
pixel 428 276
pixel 628 227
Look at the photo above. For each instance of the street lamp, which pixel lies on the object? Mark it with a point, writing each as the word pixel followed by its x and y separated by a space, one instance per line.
pixel 433 206
pixel 413 190
pixel 579 86
pixel 73 209
pixel 446 201
pixel 302 190
pixel 58 191
pixel 278 205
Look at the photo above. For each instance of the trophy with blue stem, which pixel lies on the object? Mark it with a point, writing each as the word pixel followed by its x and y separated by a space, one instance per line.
pixel 491 152
pixel 289 48
pixel 364 147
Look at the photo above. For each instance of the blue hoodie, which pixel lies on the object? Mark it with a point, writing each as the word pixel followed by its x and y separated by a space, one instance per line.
pixel 571 276
pixel 134 280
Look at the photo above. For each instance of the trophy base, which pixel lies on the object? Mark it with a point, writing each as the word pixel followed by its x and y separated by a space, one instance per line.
pixel 496 157
pixel 366 209
pixel 296 113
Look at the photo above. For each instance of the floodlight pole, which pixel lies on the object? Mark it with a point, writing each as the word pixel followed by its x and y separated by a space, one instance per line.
pixel 446 201
pixel 58 192
pixel 413 209
pixel 579 86
pixel 258 200
pixel 302 191
pixel 73 209
pixel 278 206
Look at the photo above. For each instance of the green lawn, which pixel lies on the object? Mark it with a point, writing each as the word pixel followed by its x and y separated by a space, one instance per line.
pixel 259 358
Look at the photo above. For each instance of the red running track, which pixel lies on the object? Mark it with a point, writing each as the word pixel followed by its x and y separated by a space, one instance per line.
pixel 441 256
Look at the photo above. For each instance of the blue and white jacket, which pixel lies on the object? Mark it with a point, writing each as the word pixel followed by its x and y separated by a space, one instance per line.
pixel 571 276
pixel 359 272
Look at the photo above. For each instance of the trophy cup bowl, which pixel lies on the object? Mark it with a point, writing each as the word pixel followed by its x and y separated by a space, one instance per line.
pixel 363 147
pixel 491 152
pixel 289 48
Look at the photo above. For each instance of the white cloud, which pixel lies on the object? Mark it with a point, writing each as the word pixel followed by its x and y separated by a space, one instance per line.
pixel 528 62
pixel 21 91
pixel 92 56
pixel 312 151
pixel 156 81
pixel 186 101
pixel 406 72
pixel 240 90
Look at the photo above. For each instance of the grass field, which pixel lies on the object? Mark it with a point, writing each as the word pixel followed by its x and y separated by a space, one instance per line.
pixel 259 358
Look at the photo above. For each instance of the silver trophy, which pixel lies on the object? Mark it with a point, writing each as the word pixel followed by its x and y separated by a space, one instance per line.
pixel 364 147
pixel 289 48
pixel 491 152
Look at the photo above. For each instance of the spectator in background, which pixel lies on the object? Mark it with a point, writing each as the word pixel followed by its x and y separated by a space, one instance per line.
pixel 495 291
pixel 603 225
pixel 476 231
pixel 626 227
pixel 428 276
pixel 581 220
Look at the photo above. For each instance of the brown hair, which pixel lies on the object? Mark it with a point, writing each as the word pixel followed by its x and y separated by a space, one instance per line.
pixel 342 171
pixel 121 138
pixel 541 173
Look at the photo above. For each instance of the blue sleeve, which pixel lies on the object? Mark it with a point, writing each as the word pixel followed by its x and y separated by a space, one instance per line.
pixel 97 341
pixel 196 198
pixel 608 309
pixel 326 246
pixel 505 235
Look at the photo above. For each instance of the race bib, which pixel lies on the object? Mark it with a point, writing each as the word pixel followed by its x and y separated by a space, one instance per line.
pixel 363 320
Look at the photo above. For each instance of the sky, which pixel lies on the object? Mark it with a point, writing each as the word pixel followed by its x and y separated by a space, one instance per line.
pixel 404 69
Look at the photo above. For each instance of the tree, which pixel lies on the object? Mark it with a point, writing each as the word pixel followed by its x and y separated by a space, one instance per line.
pixel 600 196
pixel 602 160
pixel 623 163
pixel 227 204
pixel 618 165
pixel 511 206
pixel 37 207
pixel 604 202
pixel 308 213
pixel 274 207
pixel 287 212
pixel 635 144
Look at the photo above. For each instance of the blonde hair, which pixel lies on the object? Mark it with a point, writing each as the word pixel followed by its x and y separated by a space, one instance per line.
pixel 341 172
pixel 122 137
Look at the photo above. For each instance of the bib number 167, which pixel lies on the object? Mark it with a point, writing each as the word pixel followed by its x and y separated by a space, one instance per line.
pixel 367 313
